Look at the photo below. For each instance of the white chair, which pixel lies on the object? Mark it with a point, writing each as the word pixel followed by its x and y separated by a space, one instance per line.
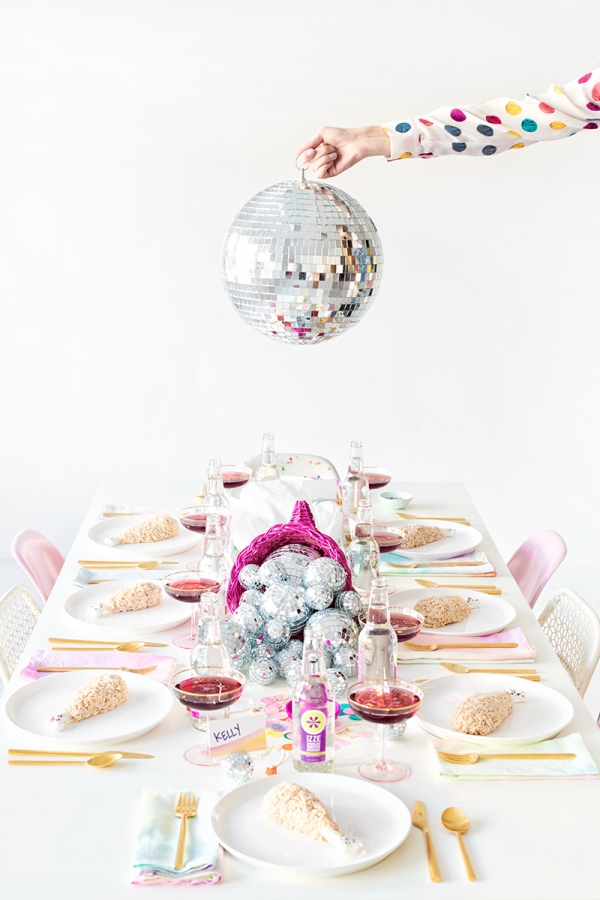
pixel 573 629
pixel 18 615
pixel 299 465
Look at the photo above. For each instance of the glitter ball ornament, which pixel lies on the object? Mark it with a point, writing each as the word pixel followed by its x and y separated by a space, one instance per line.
pixel 285 602
pixel 392 732
pixel 249 619
pixel 337 681
pixel 296 648
pixel 276 633
pixel 249 576
pixel 262 670
pixel 283 659
pixel 318 596
pixel 272 572
pixel 293 672
pixel 293 562
pixel 302 262
pixel 325 571
pixel 252 596
pixel 350 602
pixel 338 628
pixel 346 660
pixel 232 636
pixel 237 768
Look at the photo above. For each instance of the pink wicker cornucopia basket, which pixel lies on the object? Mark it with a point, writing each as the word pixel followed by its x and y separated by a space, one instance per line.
pixel 301 529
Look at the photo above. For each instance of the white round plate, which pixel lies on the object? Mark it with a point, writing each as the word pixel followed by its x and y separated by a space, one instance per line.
pixel 493 613
pixel 125 625
pixel 544 713
pixel 463 540
pixel 363 810
pixel 28 708
pixel 102 531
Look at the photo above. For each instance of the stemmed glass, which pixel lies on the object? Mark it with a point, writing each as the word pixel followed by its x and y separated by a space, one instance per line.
pixel 189 587
pixel 205 689
pixel 235 476
pixel 406 623
pixel 384 703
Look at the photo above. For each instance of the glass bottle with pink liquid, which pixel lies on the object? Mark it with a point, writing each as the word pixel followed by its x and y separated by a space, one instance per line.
pixel 313 709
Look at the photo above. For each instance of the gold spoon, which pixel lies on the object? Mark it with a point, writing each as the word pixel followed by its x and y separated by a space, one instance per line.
pixel 128 647
pixel 434 518
pixel 107 564
pixel 95 669
pixel 102 643
pixel 531 674
pixel 482 588
pixel 454 819
pixel 96 762
pixel 480 646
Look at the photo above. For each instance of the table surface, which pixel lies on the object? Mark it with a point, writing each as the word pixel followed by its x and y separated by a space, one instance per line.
pixel 68 833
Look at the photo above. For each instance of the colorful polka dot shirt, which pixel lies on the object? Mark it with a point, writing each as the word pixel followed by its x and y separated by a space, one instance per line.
pixel 485 129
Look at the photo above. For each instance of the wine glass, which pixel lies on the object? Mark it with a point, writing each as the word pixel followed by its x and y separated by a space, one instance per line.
pixel 384 703
pixel 406 623
pixel 207 688
pixel 377 476
pixel 387 537
pixel 188 587
pixel 235 476
pixel 194 519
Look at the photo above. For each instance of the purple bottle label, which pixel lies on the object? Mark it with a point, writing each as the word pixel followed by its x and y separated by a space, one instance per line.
pixel 313 733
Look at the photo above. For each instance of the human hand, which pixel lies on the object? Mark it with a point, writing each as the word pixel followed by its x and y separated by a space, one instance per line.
pixel 333 150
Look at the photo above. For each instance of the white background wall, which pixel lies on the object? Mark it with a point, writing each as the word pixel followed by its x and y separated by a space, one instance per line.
pixel 132 132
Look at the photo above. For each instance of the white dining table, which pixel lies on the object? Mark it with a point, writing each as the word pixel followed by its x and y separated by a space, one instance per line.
pixel 67 833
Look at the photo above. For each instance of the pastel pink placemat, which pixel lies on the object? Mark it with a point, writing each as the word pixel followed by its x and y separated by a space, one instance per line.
pixel 523 650
pixel 100 659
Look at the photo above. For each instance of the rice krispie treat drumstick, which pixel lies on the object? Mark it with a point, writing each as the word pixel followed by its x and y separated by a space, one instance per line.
pixel 97 696
pixel 298 809
pixel 446 610
pixel 142 595
pixel 483 711
pixel 155 528
pixel 418 535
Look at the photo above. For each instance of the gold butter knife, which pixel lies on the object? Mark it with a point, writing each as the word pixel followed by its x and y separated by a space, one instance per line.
pixel 419 820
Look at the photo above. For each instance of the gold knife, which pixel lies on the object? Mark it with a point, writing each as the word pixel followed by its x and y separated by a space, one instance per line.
pixel 125 755
pixel 419 820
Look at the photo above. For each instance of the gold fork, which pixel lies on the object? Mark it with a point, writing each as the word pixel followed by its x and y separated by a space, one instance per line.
pixel 434 518
pixel 469 759
pixel 185 809
pixel 89 668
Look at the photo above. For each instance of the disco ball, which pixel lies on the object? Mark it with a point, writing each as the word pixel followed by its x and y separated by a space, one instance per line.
pixel 302 262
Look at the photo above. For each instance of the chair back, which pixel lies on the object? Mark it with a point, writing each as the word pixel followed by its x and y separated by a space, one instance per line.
pixel 39 558
pixel 535 561
pixel 299 465
pixel 573 629
pixel 18 614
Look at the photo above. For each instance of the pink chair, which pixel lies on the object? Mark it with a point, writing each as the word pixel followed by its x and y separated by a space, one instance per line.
pixel 535 561
pixel 39 558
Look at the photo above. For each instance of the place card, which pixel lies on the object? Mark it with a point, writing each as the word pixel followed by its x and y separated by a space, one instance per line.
pixel 243 733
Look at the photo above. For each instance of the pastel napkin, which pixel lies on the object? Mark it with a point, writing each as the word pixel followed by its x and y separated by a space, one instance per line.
pixel 390 562
pixel 85 576
pixel 127 510
pixel 165 665
pixel 524 652
pixel 583 766
pixel 156 841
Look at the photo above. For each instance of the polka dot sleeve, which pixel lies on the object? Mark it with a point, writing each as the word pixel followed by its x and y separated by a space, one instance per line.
pixel 485 129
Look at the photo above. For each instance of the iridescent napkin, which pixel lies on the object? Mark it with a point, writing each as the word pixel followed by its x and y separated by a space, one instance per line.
pixel 391 564
pixel 523 652
pixel 85 577
pixel 156 841
pixel 165 665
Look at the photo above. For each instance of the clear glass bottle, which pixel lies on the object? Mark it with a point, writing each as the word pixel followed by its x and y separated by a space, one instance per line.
pixel 313 709
pixel 209 649
pixel 216 499
pixel 355 487
pixel 377 642
pixel 268 470
pixel 363 552
pixel 215 562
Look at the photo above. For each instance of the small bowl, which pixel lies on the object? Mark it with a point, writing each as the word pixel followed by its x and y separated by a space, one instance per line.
pixel 377 476
pixel 395 499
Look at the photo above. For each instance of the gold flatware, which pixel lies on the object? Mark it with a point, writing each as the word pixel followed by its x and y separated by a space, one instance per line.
pixel 464 646
pixel 108 515
pixel 482 588
pixel 101 761
pixel 459 519
pixel 102 643
pixel 454 819
pixel 419 820
pixel 127 647
pixel 185 809
pixel 95 669
pixel 531 674
pixel 146 564
pixel 125 755
pixel 469 759
pixel 427 565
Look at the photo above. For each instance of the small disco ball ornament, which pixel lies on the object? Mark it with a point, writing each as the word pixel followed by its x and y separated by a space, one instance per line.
pixel 302 262
pixel 293 672
pixel 296 648
pixel 276 633
pixel 237 768
pixel 232 635
pixel 345 659
pixel 283 659
pixel 338 628
pixel 249 577
pixel 318 595
pixel 350 602
pixel 272 572
pixel 252 596
pixel 294 563
pixel 337 681
pixel 249 619
pixel 392 732
pixel 282 601
pixel 325 571
pixel 262 670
